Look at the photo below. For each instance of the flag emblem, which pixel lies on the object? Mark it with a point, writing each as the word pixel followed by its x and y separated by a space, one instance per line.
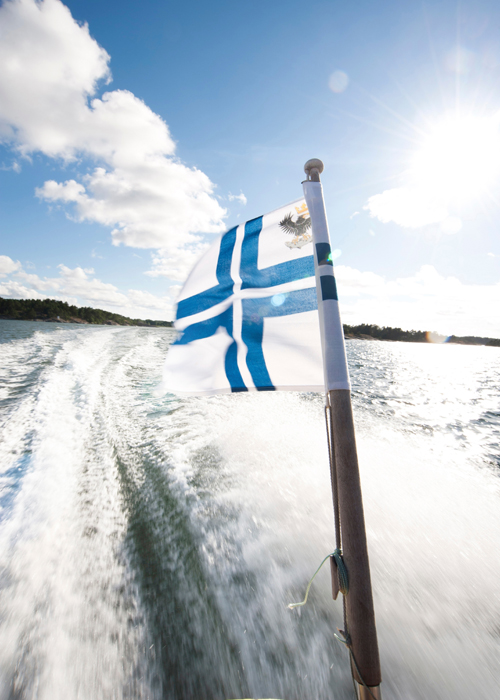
pixel 247 314
pixel 300 228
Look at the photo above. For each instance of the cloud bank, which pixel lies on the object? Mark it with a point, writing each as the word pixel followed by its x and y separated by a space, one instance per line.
pixel 407 206
pixel 413 207
pixel 51 70
pixel 424 301
pixel 78 286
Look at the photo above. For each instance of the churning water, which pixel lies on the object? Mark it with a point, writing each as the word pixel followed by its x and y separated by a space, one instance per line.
pixel 149 546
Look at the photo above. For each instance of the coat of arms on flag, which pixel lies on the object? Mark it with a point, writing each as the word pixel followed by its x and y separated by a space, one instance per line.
pixel 247 314
pixel 300 228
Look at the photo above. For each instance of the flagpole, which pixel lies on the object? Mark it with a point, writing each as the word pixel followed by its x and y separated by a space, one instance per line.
pixel 360 634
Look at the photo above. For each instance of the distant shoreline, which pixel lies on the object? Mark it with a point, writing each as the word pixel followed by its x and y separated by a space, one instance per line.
pixel 54 311
pixel 372 332
pixel 81 322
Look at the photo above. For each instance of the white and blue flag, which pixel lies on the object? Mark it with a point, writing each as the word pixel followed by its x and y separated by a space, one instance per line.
pixel 247 315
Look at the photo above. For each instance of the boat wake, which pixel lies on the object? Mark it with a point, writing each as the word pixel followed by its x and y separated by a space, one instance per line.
pixel 149 546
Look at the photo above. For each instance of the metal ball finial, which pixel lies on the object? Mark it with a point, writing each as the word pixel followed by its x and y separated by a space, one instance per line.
pixel 313 168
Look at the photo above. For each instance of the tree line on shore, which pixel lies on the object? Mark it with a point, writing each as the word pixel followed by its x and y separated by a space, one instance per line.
pixel 368 331
pixel 54 310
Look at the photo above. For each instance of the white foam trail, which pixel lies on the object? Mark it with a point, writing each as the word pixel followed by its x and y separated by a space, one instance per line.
pixel 247 482
pixel 63 634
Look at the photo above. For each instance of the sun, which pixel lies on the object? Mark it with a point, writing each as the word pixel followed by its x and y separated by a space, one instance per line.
pixel 459 157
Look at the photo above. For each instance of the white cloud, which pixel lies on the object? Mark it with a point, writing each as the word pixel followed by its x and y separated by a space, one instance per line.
pixel 80 287
pixel 77 282
pixel 50 61
pixel 12 289
pixel 158 203
pixel 451 225
pixel 354 282
pixel 174 291
pixel 146 300
pixel 424 301
pixel 7 265
pixel 14 166
pixel 411 207
pixel 35 282
pixel 175 264
pixel 148 197
pixel 237 197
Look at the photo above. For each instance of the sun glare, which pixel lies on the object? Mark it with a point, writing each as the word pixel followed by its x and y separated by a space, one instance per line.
pixel 460 157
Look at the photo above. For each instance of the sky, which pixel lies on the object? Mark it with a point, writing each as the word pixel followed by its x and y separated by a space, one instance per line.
pixel 132 134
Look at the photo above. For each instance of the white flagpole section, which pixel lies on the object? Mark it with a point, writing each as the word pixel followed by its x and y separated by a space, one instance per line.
pixel 332 334
pixel 360 631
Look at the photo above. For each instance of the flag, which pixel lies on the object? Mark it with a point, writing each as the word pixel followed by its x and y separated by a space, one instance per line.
pixel 247 315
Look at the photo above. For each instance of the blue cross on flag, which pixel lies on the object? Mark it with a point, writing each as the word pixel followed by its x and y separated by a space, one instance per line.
pixel 247 315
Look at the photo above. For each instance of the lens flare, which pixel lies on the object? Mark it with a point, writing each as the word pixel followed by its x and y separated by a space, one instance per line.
pixel 278 299
pixel 338 81
pixel 436 338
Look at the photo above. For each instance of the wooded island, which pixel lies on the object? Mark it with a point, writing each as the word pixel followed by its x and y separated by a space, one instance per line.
pixel 371 332
pixel 61 312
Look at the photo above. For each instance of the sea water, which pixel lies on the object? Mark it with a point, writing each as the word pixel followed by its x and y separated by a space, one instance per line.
pixel 149 546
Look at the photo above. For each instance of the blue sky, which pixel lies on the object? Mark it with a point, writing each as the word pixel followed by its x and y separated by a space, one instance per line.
pixel 131 133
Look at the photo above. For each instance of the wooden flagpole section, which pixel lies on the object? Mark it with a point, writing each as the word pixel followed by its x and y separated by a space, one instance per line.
pixel 360 613
pixel 361 633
